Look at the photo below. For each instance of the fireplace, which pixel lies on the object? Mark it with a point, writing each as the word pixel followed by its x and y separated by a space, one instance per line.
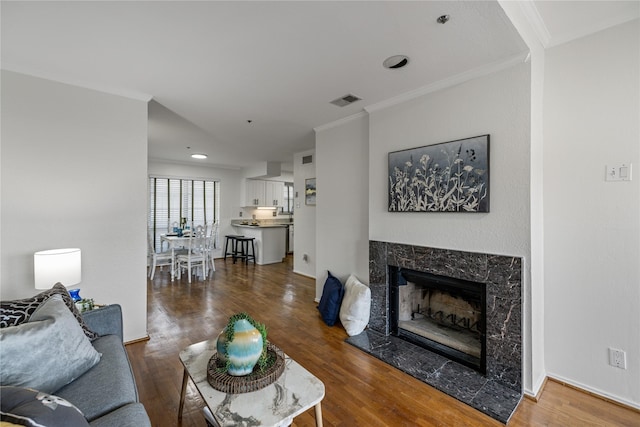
pixel 443 314
pixel 490 382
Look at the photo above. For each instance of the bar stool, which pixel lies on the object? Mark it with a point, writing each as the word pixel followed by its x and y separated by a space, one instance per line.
pixel 244 249
pixel 234 245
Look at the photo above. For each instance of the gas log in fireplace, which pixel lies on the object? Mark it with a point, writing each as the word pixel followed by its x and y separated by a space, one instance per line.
pixel 443 314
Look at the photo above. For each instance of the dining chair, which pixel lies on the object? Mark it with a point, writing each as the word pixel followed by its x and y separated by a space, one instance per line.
pixel 156 259
pixel 194 258
pixel 210 246
pixel 200 230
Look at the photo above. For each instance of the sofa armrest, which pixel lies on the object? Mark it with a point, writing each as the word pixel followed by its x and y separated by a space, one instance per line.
pixel 105 320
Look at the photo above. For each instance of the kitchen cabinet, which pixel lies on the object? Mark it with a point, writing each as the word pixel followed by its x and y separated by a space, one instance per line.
pixel 264 193
pixel 290 238
pixel 255 194
pixel 274 193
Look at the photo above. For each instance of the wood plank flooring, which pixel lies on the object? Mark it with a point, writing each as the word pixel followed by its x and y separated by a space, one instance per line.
pixel 360 390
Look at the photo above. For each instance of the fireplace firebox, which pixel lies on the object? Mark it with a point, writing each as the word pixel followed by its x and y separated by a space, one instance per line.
pixel 442 314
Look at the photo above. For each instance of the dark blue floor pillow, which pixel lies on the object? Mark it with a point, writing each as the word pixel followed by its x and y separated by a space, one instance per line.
pixel 331 299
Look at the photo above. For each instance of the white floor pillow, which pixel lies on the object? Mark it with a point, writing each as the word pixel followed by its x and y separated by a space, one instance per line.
pixel 356 306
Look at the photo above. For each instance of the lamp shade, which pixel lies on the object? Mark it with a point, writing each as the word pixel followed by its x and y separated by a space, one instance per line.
pixel 57 265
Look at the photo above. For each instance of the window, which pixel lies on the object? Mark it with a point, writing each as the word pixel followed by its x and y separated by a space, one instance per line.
pixel 171 199
pixel 287 199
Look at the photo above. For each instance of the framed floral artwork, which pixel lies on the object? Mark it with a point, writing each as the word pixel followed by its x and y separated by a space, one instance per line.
pixel 447 177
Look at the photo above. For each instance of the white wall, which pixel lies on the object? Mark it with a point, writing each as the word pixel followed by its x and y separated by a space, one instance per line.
pixel 342 222
pixel 497 104
pixel 592 227
pixel 74 167
pixel 304 236
pixel 230 182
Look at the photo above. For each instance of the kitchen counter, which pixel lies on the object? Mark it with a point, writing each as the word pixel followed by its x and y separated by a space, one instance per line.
pixel 270 241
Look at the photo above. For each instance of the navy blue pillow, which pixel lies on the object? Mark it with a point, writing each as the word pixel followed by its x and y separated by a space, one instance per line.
pixel 331 299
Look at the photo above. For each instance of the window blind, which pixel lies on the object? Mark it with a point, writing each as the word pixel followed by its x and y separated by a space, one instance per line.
pixel 171 199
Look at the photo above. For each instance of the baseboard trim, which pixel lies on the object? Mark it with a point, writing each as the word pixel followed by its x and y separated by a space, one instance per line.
pixel 145 338
pixel 536 397
pixel 304 274
pixel 626 405
pixel 584 390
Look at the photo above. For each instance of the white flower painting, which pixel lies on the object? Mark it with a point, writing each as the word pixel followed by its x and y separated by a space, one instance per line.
pixel 447 177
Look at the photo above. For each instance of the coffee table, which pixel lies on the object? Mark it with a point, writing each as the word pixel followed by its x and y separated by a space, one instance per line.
pixel 275 405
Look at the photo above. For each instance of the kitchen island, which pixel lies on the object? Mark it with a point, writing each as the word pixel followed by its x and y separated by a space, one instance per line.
pixel 270 241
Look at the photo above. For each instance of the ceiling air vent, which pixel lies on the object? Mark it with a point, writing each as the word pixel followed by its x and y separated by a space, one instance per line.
pixel 307 159
pixel 345 100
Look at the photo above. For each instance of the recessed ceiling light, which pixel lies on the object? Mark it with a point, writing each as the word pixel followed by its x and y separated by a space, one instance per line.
pixel 199 156
pixel 396 61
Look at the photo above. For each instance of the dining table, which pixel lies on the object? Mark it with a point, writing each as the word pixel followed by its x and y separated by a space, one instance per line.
pixel 174 241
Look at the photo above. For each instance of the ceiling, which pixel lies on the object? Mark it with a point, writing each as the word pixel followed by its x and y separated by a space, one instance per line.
pixel 246 82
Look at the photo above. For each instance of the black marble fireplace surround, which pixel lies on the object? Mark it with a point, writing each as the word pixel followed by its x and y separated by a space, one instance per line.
pixel 496 393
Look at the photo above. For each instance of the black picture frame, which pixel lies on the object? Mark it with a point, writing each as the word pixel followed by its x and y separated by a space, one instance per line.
pixel 450 176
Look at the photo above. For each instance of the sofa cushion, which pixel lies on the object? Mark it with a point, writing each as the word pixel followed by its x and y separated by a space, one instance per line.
pixel 48 351
pixel 13 313
pixel 332 293
pixel 356 306
pixel 131 415
pixel 108 385
pixel 28 407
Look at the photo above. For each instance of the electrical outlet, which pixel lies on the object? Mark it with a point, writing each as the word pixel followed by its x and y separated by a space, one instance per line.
pixel 617 358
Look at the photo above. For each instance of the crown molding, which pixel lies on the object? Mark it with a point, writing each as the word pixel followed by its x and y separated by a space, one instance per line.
pixel 449 82
pixel 340 122
pixel 532 15
pixel 583 32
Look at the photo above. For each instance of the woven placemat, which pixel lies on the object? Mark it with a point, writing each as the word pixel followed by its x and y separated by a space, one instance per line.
pixel 256 380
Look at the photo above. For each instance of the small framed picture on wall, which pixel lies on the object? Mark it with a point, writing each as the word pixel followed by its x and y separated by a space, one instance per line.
pixel 310 191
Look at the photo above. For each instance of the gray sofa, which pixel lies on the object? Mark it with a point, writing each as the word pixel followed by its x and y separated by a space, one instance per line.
pixel 107 394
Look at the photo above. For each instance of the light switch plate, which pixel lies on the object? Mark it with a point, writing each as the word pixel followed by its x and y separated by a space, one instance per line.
pixel 618 172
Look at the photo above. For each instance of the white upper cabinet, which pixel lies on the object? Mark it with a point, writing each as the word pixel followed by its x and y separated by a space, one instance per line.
pixel 255 195
pixel 274 193
pixel 264 193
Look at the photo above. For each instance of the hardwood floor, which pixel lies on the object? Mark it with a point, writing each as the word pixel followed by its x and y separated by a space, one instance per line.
pixel 360 390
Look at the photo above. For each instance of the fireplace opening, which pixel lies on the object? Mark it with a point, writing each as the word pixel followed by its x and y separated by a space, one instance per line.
pixel 442 314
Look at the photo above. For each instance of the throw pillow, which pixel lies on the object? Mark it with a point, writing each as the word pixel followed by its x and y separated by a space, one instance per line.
pixel 47 352
pixel 356 306
pixel 331 298
pixel 27 407
pixel 14 313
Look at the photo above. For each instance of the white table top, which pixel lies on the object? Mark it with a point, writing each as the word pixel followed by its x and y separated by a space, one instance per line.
pixel 173 238
pixel 275 405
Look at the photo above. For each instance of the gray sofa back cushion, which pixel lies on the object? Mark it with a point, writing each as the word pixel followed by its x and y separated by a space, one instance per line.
pixel 47 352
